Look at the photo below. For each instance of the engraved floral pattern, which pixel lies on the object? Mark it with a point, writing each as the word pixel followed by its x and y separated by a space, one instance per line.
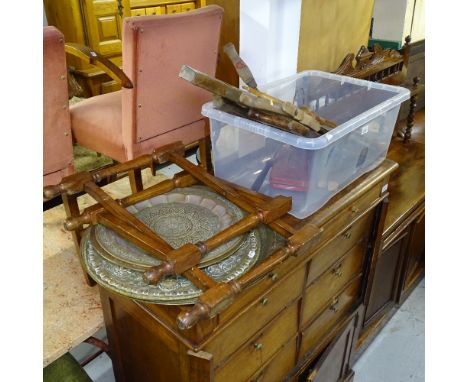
pixel 182 216
pixel 173 290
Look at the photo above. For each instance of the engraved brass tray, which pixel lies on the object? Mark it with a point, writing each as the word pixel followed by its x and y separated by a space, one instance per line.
pixel 184 215
pixel 174 290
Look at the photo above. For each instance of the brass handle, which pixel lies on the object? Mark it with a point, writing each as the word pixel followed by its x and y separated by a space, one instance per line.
pixel 258 346
pixel 338 272
pixel 264 301
pixel 333 305
pixel 354 209
pixel 347 235
pixel 273 276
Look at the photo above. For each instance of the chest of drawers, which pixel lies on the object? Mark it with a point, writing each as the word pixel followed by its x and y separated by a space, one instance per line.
pixel 276 327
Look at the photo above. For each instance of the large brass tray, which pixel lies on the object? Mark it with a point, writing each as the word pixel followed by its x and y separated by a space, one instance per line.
pixel 186 215
pixel 174 290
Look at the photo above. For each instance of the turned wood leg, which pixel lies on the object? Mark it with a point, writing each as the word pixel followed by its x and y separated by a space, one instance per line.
pixel 412 108
pixel 70 204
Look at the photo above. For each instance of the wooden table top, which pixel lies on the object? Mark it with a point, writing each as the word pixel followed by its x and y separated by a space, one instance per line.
pixel 72 310
pixel 407 189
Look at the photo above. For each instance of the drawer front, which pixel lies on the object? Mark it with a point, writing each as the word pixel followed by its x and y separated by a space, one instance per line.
pixel 280 364
pixel 332 281
pixel 174 8
pixel 155 11
pixel 345 217
pixel 257 352
pixel 336 310
pixel 358 232
pixel 185 7
pixel 256 317
pixel 138 12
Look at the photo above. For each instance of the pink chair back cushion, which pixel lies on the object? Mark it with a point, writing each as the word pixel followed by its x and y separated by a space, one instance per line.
pixel 154 49
pixel 57 139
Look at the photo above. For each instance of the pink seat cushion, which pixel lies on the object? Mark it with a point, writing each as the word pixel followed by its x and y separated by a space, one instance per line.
pixel 97 124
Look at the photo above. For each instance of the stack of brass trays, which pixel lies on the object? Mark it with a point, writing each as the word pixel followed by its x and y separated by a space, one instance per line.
pixel 182 216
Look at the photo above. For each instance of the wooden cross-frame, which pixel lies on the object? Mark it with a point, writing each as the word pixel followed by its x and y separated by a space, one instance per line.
pixel 184 260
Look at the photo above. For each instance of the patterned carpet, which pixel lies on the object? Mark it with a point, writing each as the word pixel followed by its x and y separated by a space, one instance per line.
pixel 87 160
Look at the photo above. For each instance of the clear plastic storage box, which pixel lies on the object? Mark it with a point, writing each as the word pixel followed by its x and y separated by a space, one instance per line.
pixel 311 170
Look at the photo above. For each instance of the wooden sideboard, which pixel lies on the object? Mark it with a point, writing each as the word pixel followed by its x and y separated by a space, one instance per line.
pixel 400 263
pixel 299 323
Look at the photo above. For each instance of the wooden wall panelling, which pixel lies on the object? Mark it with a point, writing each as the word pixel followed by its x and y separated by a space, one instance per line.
pixel 330 29
pixel 66 17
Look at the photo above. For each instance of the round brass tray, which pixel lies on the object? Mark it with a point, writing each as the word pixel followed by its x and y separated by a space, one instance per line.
pixel 186 215
pixel 172 290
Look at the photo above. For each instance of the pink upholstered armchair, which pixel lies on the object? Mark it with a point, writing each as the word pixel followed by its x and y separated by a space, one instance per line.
pixel 57 138
pixel 156 107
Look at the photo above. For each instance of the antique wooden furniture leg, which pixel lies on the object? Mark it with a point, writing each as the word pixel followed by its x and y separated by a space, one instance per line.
pixel 72 210
pixel 412 108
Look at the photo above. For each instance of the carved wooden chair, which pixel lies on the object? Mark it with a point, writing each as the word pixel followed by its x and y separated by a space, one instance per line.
pixel 155 107
pixel 57 137
pixel 387 66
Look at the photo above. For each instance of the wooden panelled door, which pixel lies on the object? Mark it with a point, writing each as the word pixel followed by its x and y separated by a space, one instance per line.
pixel 334 364
pixel 104 24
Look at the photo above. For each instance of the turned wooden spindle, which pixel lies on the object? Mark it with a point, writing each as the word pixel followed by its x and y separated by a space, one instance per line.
pixel 75 183
pixel 189 255
pixel 88 216
pixel 213 301
pixel 218 298
pixel 412 108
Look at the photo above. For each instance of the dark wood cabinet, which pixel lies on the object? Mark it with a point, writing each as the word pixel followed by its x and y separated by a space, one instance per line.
pixel 413 268
pixel 400 262
pixel 384 287
pixel 334 365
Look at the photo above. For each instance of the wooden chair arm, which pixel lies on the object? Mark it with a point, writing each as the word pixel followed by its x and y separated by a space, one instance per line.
pixel 92 57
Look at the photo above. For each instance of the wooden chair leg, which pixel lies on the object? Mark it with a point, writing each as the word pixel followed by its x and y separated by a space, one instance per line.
pixel 136 181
